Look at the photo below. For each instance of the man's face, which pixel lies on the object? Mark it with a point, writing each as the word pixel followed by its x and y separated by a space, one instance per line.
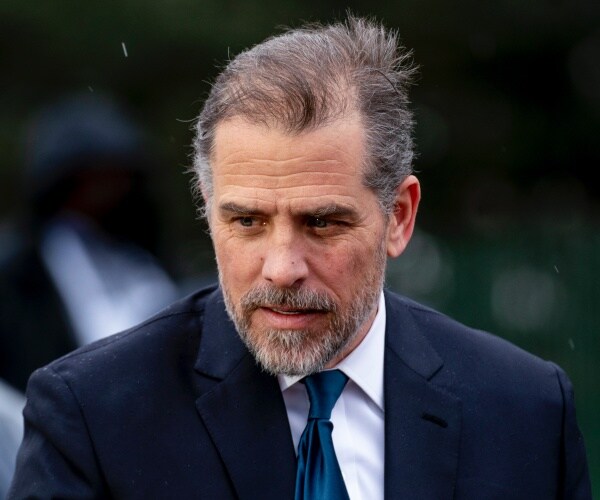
pixel 300 241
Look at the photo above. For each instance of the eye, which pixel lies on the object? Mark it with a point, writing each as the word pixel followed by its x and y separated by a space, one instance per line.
pixel 246 221
pixel 318 222
pixel 248 224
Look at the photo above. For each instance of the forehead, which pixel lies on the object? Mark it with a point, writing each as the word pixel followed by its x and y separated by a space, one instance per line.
pixel 326 160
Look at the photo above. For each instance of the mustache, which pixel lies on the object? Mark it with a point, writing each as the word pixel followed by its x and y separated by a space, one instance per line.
pixel 292 298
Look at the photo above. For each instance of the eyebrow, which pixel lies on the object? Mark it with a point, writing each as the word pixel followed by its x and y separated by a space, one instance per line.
pixel 333 209
pixel 234 208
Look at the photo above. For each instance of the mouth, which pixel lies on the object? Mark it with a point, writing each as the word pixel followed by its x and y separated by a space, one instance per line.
pixel 288 317
pixel 291 312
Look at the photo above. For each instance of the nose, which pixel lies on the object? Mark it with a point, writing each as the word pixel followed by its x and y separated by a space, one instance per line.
pixel 284 262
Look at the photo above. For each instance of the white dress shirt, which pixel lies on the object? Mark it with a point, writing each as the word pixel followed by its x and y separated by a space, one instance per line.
pixel 358 415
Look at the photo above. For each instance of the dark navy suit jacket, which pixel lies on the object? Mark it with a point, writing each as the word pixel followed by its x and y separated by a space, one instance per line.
pixel 177 408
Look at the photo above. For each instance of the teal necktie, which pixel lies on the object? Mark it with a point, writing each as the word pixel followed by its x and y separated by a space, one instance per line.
pixel 319 476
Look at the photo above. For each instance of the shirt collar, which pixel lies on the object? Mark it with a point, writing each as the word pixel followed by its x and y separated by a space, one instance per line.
pixel 364 365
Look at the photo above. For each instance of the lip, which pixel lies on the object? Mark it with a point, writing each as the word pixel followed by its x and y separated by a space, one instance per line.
pixel 279 311
pixel 288 318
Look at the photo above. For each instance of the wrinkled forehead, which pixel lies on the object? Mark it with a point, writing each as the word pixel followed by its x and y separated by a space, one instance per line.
pixel 263 158
pixel 239 141
pixel 268 171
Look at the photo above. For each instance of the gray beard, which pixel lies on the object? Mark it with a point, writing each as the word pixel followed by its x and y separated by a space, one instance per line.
pixel 302 352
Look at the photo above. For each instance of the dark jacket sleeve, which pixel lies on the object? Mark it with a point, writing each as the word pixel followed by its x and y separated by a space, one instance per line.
pixel 56 458
pixel 574 474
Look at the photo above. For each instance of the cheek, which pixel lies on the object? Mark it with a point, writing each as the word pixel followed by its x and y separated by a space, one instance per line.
pixel 339 266
pixel 358 262
pixel 238 264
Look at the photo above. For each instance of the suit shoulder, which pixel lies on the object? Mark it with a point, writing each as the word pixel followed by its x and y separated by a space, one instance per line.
pixel 466 349
pixel 174 330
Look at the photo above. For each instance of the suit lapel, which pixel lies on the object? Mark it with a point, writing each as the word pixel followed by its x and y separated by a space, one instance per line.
pixel 422 421
pixel 243 411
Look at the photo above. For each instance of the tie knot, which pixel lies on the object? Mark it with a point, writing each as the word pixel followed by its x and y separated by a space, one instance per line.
pixel 324 389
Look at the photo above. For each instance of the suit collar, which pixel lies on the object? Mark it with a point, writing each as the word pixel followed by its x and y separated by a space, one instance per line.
pixel 221 348
pixel 422 421
pixel 243 411
pixel 405 338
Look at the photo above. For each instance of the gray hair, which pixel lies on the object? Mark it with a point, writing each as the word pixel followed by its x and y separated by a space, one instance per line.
pixel 306 78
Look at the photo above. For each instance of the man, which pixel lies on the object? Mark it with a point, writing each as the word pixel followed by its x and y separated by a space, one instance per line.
pixel 85 257
pixel 304 164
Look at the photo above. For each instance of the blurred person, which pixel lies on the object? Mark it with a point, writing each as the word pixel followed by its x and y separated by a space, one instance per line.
pixel 298 375
pixel 11 432
pixel 85 263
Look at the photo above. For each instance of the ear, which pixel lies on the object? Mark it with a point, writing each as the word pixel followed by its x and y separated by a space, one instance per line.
pixel 402 220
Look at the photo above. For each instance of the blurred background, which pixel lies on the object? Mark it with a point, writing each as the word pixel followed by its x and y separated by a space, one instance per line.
pixel 508 116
